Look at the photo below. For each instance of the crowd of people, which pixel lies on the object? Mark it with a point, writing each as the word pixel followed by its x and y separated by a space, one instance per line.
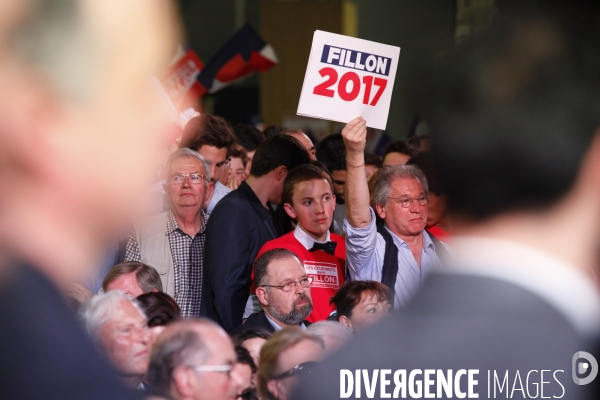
pixel 235 257
pixel 261 264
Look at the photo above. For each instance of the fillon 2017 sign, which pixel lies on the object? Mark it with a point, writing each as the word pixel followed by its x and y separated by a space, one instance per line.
pixel 348 77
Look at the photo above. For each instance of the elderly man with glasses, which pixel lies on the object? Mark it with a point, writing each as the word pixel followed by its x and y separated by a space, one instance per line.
pixel 397 252
pixel 194 360
pixel 173 242
pixel 283 291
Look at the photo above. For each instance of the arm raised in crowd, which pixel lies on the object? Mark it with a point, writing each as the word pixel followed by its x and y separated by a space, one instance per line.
pixel 358 210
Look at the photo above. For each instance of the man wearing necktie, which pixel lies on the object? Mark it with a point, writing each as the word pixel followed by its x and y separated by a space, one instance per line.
pixel 308 198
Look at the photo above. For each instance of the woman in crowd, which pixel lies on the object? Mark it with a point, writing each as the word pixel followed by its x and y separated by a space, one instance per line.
pixel 246 370
pixel 253 340
pixel 286 354
pixel 360 304
pixel 160 309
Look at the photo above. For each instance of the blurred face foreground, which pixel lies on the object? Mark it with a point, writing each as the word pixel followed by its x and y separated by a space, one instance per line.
pixel 80 132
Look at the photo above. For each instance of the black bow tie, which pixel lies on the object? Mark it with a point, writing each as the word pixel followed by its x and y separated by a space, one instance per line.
pixel 327 247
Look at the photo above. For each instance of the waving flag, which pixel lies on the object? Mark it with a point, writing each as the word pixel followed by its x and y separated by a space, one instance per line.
pixel 245 53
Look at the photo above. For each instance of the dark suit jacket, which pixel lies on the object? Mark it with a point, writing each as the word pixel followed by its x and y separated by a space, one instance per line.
pixel 256 320
pixel 237 228
pixel 462 322
pixel 44 353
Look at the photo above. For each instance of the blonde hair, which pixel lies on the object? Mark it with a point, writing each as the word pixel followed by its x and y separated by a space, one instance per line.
pixel 269 355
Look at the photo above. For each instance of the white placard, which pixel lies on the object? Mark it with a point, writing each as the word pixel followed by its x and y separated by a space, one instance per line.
pixel 348 77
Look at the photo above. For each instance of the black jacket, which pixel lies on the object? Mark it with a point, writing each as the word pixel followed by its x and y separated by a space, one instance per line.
pixel 258 320
pixel 237 228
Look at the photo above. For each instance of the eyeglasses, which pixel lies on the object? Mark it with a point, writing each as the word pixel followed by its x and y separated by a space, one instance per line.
pixel 195 179
pixel 405 203
pixel 305 368
pixel 212 368
pixel 289 286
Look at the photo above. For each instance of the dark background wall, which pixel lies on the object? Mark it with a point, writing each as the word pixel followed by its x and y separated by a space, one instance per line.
pixel 423 29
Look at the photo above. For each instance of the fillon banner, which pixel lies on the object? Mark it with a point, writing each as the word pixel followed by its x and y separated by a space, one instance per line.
pixel 348 77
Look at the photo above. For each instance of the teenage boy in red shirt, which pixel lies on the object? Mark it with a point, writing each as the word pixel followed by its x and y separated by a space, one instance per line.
pixel 308 199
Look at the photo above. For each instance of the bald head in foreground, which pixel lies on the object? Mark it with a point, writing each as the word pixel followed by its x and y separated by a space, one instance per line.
pixel 194 360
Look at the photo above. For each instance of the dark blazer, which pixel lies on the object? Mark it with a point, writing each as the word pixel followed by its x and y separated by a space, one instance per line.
pixel 237 228
pixel 462 322
pixel 256 320
pixel 44 352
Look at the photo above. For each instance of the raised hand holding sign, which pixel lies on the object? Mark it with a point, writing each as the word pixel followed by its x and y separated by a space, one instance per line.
pixel 348 77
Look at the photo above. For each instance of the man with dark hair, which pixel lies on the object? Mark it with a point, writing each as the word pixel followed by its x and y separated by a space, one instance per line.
pixel 213 139
pixel 132 278
pixel 332 152
pixel 519 108
pixel 249 137
pixel 283 291
pixel 242 222
pixel 373 163
pixel 398 153
pixel 194 360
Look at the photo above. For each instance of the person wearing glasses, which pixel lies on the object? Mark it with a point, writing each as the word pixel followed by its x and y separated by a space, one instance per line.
pixel 283 291
pixel 173 242
pixel 287 355
pixel 213 139
pixel 195 359
pixel 398 252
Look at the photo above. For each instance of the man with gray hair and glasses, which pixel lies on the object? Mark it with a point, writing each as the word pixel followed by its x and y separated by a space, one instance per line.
pixel 398 252
pixel 194 360
pixel 173 242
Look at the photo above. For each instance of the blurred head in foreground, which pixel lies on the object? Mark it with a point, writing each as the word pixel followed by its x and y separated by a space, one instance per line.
pixel 360 304
pixel 516 121
pixel 195 359
pixel 80 123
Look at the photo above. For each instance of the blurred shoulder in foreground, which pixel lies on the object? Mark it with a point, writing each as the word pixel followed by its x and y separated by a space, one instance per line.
pixel 80 123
